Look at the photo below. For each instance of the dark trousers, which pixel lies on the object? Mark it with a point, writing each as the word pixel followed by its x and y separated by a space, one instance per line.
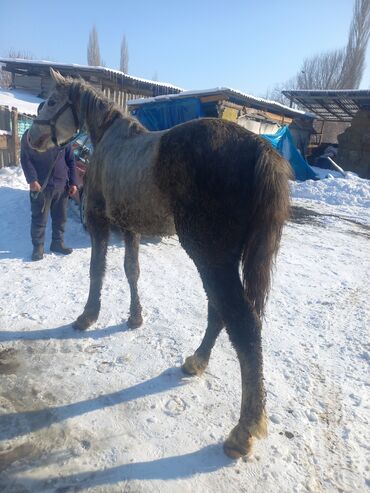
pixel 55 202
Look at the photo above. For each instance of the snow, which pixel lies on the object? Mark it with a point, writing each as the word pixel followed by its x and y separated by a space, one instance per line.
pixel 108 410
pixel 25 102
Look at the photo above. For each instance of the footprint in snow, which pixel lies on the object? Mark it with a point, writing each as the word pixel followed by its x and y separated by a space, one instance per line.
pixel 175 406
pixel 105 367
pixel 94 348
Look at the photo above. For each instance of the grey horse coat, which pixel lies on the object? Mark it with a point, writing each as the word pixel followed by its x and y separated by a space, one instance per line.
pixel 133 200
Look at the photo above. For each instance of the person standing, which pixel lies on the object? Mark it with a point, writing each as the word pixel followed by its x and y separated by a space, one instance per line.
pixel 48 192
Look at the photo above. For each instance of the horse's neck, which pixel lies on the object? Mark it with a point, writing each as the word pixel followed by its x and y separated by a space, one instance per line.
pixel 96 122
pixel 99 116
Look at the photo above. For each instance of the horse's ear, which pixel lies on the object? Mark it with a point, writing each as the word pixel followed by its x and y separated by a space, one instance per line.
pixel 57 77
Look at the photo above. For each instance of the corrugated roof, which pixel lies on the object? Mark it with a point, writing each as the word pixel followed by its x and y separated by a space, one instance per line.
pixel 332 105
pixel 108 73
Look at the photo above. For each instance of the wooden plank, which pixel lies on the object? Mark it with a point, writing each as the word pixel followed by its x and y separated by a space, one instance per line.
pixel 5 118
pixel 208 99
pixel 14 143
pixel 3 142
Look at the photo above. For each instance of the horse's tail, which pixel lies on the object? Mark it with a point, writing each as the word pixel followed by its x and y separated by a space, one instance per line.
pixel 270 209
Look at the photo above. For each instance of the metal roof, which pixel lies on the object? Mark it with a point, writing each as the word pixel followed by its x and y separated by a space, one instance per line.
pixel 332 105
pixel 232 95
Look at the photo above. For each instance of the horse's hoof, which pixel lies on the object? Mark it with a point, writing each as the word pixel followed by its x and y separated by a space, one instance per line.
pixel 194 365
pixel 83 322
pixel 134 322
pixel 235 449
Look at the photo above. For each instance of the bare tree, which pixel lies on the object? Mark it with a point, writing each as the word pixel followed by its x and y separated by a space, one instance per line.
pixel 93 50
pixel 321 71
pixel 337 69
pixel 155 76
pixel 354 64
pixel 123 65
pixel 343 68
pixel 275 94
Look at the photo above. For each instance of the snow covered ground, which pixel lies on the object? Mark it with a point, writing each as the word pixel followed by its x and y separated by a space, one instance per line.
pixel 108 410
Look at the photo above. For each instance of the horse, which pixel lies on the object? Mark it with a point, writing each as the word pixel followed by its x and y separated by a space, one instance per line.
pixel 223 190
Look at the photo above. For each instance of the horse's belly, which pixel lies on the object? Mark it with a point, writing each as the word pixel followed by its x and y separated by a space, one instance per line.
pixel 155 221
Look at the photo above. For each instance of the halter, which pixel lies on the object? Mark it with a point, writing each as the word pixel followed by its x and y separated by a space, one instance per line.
pixel 51 122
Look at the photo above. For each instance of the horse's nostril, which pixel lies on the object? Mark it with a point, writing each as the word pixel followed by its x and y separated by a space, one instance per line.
pixel 36 144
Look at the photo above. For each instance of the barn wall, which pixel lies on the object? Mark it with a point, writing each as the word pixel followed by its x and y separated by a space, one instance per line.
pixel 28 83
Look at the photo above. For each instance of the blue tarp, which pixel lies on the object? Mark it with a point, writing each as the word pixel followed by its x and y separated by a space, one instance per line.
pixel 283 142
pixel 166 114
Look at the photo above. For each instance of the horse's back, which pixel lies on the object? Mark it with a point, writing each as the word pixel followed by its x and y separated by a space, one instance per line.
pixel 215 171
pixel 211 157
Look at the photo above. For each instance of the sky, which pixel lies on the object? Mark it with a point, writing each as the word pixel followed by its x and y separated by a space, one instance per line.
pixel 249 45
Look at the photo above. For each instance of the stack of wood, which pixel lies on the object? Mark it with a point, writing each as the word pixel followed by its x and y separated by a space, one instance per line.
pixel 354 145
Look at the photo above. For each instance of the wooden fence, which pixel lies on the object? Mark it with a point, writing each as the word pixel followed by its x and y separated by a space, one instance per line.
pixel 12 127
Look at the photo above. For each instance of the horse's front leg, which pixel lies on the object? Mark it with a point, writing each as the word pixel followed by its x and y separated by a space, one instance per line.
pixel 132 270
pixel 98 227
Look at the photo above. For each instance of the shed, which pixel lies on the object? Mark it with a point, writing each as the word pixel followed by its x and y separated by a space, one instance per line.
pixel 259 115
pixel 347 113
pixel 33 76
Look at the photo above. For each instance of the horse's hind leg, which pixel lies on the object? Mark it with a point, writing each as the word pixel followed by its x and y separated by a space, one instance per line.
pixel 197 363
pixel 132 270
pixel 225 291
pixel 98 227
pixel 244 329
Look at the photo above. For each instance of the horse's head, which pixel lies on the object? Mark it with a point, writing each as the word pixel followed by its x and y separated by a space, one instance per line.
pixel 57 123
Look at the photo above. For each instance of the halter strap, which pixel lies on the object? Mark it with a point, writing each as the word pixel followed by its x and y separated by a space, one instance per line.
pixel 51 122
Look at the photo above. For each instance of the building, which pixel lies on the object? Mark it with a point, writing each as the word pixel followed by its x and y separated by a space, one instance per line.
pixel 33 76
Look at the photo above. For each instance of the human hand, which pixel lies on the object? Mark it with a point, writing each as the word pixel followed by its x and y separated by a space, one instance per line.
pixel 35 186
pixel 72 190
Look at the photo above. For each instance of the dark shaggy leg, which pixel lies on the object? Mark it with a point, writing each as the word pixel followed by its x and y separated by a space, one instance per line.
pixel 196 364
pixel 252 422
pixel 244 329
pixel 99 231
pixel 224 290
pixel 132 271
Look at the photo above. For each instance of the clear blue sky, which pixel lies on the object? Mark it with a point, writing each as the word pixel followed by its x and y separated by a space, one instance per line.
pixel 249 45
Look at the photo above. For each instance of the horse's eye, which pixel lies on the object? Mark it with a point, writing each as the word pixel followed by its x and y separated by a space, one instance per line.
pixel 51 102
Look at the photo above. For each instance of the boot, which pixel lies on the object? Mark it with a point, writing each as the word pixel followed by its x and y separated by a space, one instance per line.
pixel 38 252
pixel 59 247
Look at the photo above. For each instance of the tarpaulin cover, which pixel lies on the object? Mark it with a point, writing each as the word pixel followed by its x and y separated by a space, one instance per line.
pixel 283 142
pixel 166 114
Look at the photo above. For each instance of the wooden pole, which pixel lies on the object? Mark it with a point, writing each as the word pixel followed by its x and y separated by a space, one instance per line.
pixel 14 142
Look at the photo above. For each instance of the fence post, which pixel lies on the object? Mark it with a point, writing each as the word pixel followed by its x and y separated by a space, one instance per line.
pixel 14 142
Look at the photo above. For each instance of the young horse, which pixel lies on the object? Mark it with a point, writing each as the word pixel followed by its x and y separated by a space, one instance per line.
pixel 223 190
